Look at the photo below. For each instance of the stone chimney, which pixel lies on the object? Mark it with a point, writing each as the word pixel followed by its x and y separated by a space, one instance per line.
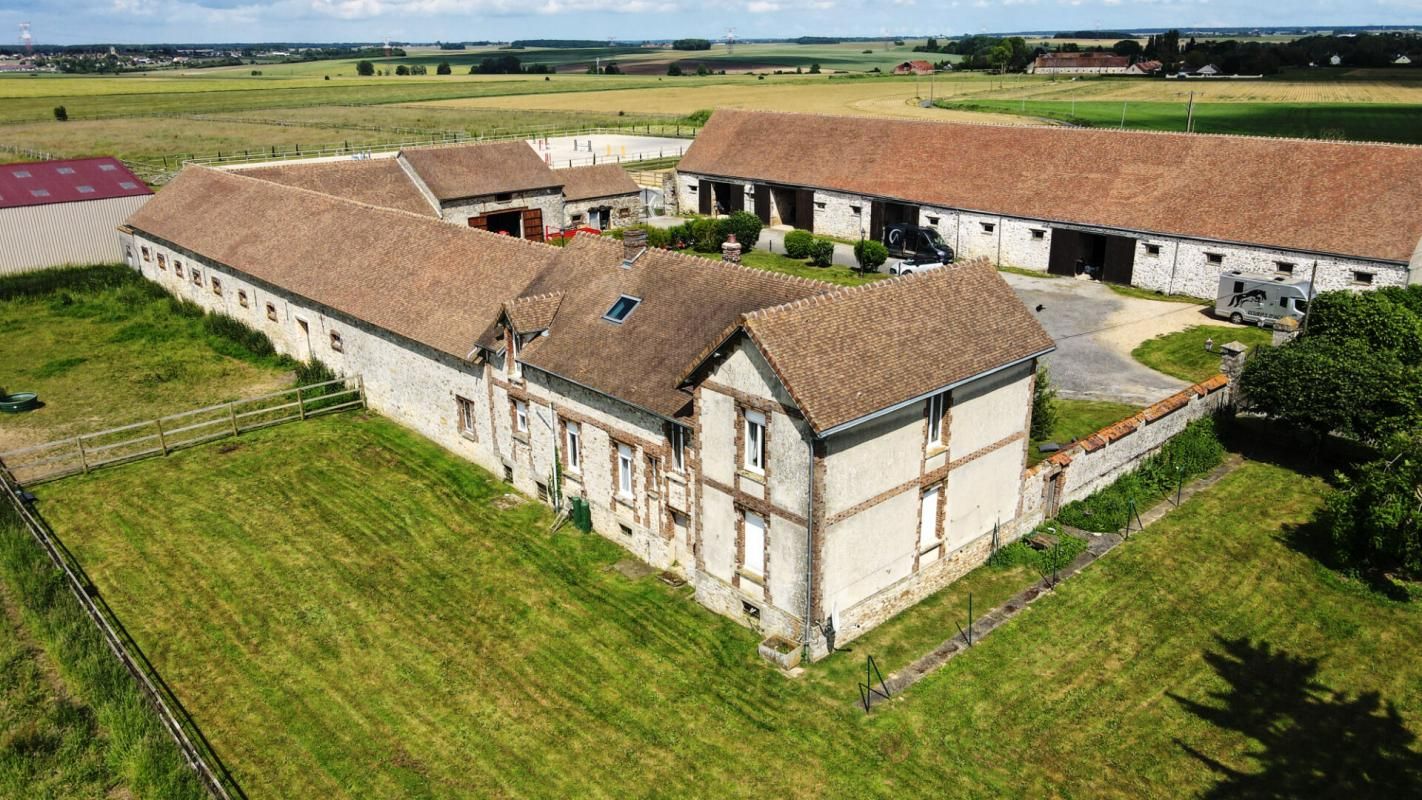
pixel 634 243
pixel 1232 359
pixel 731 250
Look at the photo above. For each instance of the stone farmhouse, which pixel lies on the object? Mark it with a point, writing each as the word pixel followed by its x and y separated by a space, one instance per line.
pixel 1162 211
pixel 799 452
pixel 1080 64
pixel 504 187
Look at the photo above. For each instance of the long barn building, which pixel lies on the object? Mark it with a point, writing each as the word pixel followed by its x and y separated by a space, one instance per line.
pixel 1165 212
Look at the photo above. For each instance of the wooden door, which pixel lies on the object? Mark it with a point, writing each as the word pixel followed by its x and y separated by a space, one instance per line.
pixel 1120 259
pixel 1066 249
pixel 480 222
pixel 533 224
pixel 804 209
pixel 762 203
pixel 704 198
pixel 876 220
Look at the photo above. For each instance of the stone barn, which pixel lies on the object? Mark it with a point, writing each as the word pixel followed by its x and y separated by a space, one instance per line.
pixel 54 213
pixel 772 439
pixel 1163 211
pixel 602 197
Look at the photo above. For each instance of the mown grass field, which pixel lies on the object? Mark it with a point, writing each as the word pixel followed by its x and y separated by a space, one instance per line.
pixel 1382 122
pixel 1183 355
pixel 348 613
pixel 104 348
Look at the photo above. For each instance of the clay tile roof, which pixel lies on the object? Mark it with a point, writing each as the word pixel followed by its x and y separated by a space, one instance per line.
pixel 686 303
pixel 852 352
pixel 376 182
pixel 1093 60
pixel 1328 197
pixel 602 180
pixel 418 277
pixel 455 172
pixel 531 314
pixel 40 183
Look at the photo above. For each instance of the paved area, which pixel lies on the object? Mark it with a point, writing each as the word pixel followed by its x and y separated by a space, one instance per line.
pixel 1095 330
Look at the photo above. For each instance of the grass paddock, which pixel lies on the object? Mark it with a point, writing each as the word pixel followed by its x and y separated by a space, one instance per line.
pixel 348 613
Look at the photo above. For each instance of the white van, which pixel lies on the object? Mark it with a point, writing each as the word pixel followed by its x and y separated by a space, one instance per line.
pixel 1251 298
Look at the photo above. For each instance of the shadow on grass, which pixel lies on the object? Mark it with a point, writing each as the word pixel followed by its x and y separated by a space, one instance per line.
pixel 1314 741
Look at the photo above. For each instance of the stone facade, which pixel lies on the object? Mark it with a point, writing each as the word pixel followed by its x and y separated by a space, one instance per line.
pixel 548 201
pixel 624 210
pixel 1169 264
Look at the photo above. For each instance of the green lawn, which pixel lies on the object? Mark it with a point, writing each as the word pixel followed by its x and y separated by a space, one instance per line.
pixel 103 347
pixel 1078 418
pixel 348 613
pixel 779 262
pixel 1382 122
pixel 1183 355
pixel 1150 294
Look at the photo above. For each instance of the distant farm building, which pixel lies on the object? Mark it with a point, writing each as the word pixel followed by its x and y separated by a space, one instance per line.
pixel 1402 61
pixel 504 187
pixel 914 68
pixel 64 212
pixel 1163 211
pixel 1144 68
pixel 1080 64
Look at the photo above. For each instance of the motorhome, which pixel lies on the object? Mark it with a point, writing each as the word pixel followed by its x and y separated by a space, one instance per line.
pixel 1251 298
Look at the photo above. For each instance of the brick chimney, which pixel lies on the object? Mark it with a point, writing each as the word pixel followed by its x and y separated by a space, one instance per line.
pixel 634 243
pixel 731 250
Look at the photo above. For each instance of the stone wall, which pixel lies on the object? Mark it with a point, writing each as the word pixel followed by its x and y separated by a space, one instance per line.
pixel 549 201
pixel 626 210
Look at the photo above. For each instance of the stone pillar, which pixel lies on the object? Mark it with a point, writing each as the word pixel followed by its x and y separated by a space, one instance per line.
pixel 1285 330
pixel 1232 357
pixel 731 250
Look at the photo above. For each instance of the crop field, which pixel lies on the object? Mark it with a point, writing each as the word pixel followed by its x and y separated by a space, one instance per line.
pixel 1378 122
pixel 382 620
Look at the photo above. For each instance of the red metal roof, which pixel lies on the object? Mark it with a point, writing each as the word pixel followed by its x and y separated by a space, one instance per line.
pixel 39 183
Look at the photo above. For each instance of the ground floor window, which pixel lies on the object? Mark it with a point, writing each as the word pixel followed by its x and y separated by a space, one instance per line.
pixel 624 471
pixel 753 561
pixel 464 412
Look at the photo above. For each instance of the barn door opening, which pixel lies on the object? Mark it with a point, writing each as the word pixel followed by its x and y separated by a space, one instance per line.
pixel 1097 255
pixel 1065 252
pixel 883 214
pixel 704 197
pixel 804 209
pixel 1120 263
pixel 509 223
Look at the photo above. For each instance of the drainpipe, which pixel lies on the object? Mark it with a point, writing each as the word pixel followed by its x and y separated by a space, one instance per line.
pixel 999 241
pixel 1174 262
pixel 809 550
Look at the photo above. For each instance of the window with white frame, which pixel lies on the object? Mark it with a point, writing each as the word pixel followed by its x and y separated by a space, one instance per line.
pixel 464 411
pixel 678 448
pixel 937 405
pixel 514 368
pixel 520 416
pixel 624 471
pixel 753 561
pixel 755 441
pixel 575 447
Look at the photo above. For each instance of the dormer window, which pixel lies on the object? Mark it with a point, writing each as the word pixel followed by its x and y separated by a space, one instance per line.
pixel 622 309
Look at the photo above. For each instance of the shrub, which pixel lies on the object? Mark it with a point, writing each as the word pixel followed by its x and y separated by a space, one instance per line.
pixel 746 226
pixel 365 68
pixel 1193 451
pixel 1374 520
pixel 61 113
pixel 821 252
pixel 674 70
pixel 870 255
pixel 443 68
pixel 1019 553
pixel 797 243
pixel 707 234
pixel 402 70
pixel 1044 405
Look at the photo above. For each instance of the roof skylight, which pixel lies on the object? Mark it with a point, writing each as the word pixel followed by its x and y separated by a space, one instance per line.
pixel 622 309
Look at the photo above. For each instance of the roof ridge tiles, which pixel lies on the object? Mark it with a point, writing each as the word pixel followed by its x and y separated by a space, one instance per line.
pixel 849 291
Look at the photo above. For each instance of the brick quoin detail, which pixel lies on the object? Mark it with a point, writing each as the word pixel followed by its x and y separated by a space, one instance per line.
pixel 762 507
pixel 751 401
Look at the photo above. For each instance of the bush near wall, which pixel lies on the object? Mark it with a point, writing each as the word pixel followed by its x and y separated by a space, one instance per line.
pixel 1193 451
pixel 822 252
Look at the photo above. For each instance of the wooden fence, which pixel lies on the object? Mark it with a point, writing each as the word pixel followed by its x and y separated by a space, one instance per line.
pixel 90 451
pixel 195 748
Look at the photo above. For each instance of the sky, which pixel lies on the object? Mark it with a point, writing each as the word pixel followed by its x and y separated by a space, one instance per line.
pixel 153 21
